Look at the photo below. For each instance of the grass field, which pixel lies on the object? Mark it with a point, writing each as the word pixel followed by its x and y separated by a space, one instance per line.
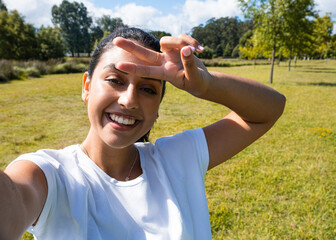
pixel 281 187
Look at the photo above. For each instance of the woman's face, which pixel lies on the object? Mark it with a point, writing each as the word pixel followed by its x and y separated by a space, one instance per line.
pixel 121 107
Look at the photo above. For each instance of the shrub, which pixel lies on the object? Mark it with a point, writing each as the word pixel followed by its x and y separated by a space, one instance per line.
pixel 33 72
pixel 3 78
pixel 69 67
pixel 206 54
pixel 21 70
pixel 19 73
pixel 6 70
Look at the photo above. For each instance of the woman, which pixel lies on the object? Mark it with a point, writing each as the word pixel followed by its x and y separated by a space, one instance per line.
pixel 115 186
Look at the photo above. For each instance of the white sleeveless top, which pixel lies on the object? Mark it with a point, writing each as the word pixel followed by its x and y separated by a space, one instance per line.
pixel 166 202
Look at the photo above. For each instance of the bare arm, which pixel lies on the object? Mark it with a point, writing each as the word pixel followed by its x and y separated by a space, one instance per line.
pixel 255 108
pixel 23 191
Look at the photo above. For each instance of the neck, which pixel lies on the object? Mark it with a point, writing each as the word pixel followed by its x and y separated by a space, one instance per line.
pixel 118 163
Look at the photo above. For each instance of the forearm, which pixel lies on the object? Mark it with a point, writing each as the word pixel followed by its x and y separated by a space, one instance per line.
pixel 253 101
pixel 11 208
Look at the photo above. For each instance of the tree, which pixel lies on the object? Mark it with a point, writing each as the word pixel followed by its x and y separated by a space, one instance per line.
pixel 2 6
pixel 219 51
pixel 109 24
pixel 74 22
pixel 221 35
pixel 159 34
pixel 322 36
pixel 50 43
pixel 279 23
pixel 297 27
pixel 206 54
pixel 96 34
pixel 250 48
pixel 17 39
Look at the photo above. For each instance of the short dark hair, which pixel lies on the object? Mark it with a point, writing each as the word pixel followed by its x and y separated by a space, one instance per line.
pixel 143 38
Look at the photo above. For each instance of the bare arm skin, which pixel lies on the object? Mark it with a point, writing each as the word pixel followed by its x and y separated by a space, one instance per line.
pixel 23 192
pixel 255 106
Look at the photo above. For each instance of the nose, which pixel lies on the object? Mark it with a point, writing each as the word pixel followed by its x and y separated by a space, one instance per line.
pixel 128 98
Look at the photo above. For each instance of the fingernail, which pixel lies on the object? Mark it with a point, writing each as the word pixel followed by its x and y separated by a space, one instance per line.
pixel 186 51
pixel 200 48
pixel 192 48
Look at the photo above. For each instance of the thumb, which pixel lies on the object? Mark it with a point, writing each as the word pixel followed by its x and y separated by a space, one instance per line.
pixel 188 60
pixel 196 75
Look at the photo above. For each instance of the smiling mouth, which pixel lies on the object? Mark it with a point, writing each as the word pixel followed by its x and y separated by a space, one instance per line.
pixel 122 119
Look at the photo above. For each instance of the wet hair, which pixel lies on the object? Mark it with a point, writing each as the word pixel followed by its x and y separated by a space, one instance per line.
pixel 143 38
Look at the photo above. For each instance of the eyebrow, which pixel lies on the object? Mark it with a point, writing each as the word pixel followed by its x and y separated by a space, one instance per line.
pixel 112 66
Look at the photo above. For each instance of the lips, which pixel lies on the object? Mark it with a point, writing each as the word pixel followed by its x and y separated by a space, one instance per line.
pixel 123 120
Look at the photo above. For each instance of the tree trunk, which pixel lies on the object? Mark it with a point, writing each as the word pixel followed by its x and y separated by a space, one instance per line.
pixel 279 59
pixel 289 61
pixel 295 59
pixel 272 65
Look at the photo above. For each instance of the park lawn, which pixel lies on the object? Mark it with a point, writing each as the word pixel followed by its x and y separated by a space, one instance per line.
pixel 281 187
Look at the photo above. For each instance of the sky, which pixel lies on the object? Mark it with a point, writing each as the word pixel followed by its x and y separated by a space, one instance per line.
pixel 175 16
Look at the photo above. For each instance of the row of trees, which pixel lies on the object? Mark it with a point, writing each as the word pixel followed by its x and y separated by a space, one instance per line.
pixel 288 28
pixel 283 28
pixel 297 31
pixel 222 35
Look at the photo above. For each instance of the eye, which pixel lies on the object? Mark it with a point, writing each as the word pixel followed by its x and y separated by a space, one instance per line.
pixel 149 90
pixel 114 80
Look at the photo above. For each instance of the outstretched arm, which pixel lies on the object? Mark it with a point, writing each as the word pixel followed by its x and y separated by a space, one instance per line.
pixel 23 191
pixel 255 106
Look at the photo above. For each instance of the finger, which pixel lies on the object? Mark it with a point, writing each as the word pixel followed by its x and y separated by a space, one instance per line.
pixel 139 51
pixel 144 71
pixel 169 43
pixel 192 42
pixel 189 63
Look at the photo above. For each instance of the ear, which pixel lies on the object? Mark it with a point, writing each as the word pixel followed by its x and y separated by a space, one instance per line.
pixel 86 87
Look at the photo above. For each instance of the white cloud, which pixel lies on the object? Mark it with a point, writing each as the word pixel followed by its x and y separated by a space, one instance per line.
pixel 36 12
pixel 133 14
pixel 325 6
pixel 200 11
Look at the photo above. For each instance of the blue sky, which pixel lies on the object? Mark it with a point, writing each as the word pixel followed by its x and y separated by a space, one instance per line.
pixel 175 17
pixel 165 6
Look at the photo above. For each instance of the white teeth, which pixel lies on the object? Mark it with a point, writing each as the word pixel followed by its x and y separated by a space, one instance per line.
pixel 122 120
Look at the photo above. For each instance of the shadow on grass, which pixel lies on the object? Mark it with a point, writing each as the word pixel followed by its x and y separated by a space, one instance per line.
pixel 314 69
pixel 322 84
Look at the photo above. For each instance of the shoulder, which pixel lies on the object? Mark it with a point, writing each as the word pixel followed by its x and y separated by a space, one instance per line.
pixel 181 150
pixel 53 157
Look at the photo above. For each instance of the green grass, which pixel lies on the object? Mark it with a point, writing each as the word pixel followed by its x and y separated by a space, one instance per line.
pixel 281 187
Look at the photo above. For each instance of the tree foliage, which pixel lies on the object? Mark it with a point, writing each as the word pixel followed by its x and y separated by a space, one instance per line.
pixel 74 22
pixel 280 24
pixel 159 34
pixel 221 35
pixel 50 43
pixel 17 39
pixel 109 24
pixel 322 37
pixel 2 6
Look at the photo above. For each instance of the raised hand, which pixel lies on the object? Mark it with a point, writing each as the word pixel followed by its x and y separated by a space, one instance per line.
pixel 176 64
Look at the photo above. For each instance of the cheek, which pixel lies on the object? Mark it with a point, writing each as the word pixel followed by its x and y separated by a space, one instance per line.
pixel 99 94
pixel 152 110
